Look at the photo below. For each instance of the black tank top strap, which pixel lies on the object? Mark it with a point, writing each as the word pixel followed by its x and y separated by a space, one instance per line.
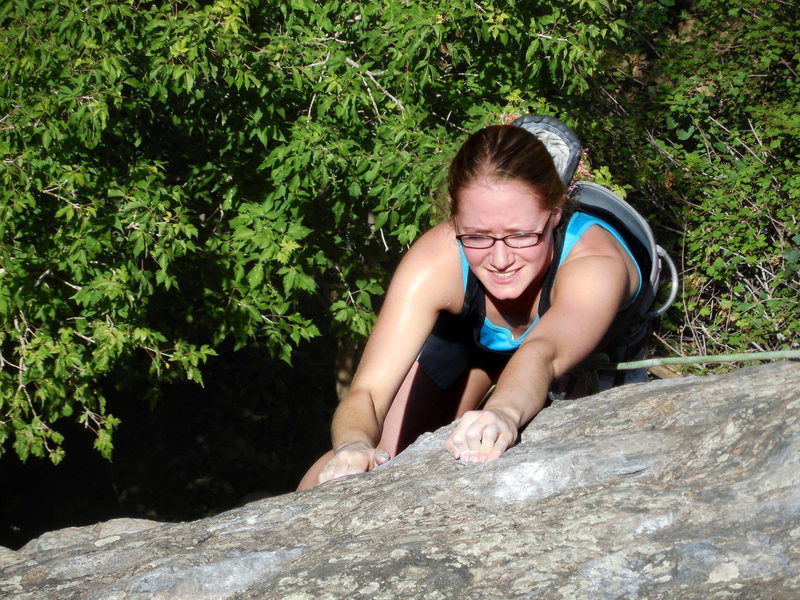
pixel 474 309
pixel 550 277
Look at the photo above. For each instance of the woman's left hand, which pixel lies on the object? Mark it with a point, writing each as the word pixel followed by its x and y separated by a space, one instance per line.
pixel 482 435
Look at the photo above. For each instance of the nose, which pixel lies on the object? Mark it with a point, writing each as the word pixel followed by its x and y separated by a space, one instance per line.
pixel 502 256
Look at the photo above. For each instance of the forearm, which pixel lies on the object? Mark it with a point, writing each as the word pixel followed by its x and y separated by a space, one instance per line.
pixel 355 433
pixel 355 420
pixel 522 388
pixel 520 394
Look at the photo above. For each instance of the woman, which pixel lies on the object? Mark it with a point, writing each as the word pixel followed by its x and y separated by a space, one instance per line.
pixel 463 312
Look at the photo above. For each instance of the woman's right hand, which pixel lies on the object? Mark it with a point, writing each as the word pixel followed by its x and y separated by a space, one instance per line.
pixel 351 458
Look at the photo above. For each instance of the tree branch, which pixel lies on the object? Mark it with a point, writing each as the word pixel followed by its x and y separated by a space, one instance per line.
pixel 371 76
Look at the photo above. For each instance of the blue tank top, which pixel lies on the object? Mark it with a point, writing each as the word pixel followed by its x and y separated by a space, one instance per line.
pixel 499 338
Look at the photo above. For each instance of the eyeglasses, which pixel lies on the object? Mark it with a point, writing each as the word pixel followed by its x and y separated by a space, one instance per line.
pixel 513 240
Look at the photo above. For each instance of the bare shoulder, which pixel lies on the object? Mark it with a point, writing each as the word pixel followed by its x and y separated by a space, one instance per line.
pixel 592 283
pixel 596 241
pixel 438 238
pixel 432 269
pixel 599 257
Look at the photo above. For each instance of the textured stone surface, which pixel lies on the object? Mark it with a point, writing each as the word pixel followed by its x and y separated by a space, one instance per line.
pixel 683 488
pixel 100 534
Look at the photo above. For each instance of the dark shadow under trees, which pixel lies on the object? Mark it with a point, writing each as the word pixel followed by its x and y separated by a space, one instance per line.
pixel 252 431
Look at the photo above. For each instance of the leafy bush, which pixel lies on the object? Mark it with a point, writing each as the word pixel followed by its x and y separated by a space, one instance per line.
pixel 178 175
pixel 704 126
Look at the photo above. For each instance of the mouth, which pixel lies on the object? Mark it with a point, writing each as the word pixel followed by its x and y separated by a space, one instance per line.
pixel 504 276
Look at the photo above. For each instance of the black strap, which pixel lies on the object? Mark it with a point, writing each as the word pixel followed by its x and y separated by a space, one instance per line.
pixel 626 324
pixel 552 270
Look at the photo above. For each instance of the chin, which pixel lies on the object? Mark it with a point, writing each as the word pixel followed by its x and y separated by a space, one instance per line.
pixel 504 294
pixel 509 291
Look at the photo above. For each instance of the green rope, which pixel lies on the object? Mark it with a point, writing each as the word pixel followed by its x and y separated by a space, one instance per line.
pixel 700 360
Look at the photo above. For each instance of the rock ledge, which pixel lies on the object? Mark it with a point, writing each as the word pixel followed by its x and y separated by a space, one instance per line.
pixel 683 488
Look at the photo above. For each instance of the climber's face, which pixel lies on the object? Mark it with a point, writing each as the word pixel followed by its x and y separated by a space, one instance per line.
pixel 507 209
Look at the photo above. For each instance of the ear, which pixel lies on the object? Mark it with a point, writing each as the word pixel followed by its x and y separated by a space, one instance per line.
pixel 556 216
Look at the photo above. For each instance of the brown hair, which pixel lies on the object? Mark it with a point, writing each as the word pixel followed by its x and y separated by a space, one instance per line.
pixel 503 152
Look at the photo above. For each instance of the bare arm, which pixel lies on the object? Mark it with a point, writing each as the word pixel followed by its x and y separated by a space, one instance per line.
pixel 427 281
pixel 589 289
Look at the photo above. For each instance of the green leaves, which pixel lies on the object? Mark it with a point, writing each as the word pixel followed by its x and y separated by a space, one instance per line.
pixel 792 256
pixel 113 205
pixel 705 115
pixel 176 177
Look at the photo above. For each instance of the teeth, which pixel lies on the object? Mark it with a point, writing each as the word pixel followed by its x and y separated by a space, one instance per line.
pixel 505 275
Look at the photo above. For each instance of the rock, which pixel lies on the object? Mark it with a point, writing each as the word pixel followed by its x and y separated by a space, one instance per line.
pixel 100 534
pixel 8 557
pixel 681 488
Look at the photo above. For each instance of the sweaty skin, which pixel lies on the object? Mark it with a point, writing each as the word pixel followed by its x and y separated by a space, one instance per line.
pixel 595 279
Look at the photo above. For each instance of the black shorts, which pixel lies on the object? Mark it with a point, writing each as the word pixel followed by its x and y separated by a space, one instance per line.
pixel 451 350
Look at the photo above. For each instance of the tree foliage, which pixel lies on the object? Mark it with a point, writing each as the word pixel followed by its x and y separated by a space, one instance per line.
pixel 704 126
pixel 179 176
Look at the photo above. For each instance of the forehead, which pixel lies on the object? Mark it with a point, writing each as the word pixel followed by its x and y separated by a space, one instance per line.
pixel 489 205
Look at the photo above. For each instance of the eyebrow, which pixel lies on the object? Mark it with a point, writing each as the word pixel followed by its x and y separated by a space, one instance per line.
pixel 507 231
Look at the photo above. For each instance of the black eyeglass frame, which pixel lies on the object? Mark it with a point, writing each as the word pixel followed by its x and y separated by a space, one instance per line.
pixel 505 238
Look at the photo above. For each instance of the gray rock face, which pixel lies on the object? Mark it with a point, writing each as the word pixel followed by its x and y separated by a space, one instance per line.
pixel 683 488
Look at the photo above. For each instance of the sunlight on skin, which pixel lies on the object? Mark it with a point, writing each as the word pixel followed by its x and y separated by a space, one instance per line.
pixel 594 279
